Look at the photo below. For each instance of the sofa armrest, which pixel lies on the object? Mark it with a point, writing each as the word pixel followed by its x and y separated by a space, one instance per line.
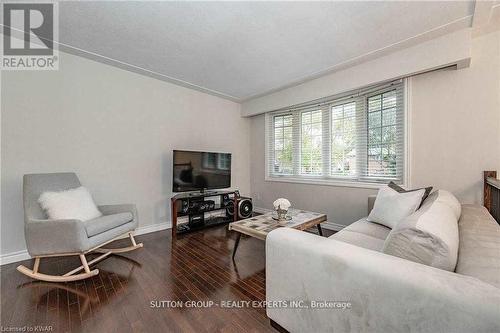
pixel 45 237
pixel 120 208
pixel 371 202
pixel 385 293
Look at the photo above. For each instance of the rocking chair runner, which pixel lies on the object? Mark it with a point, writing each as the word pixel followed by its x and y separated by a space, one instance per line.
pixel 52 238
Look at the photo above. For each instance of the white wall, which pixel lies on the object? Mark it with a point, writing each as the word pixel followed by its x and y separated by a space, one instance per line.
pixel 455 123
pixel 116 129
pixel 446 50
pixel 455 126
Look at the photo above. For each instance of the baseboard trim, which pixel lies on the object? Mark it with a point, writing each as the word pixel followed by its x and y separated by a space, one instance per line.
pixel 262 210
pixel 17 256
pixel 11 257
pixel 332 226
pixel 326 225
pixel 147 229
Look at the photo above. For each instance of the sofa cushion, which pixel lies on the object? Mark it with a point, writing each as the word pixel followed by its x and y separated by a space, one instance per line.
pixel 430 235
pixel 106 222
pixel 362 233
pixel 479 248
pixel 391 206
pixel 449 200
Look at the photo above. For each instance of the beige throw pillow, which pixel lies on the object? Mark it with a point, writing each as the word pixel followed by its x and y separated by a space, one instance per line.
pixel 391 207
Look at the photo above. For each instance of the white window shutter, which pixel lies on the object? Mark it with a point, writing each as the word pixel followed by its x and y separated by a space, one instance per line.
pixel 357 137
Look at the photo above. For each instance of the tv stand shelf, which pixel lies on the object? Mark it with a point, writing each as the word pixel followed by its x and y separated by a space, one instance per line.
pixel 186 205
pixel 217 207
pixel 189 195
pixel 181 229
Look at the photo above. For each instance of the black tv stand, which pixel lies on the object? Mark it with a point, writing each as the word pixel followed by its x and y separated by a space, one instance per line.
pixel 202 193
pixel 187 205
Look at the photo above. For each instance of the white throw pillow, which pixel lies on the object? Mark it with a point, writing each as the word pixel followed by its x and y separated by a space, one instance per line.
pixel 73 204
pixel 391 206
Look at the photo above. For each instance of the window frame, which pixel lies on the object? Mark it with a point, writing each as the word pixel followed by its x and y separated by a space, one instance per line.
pixel 405 139
pixel 330 123
pixel 301 127
pixel 357 181
pixel 273 154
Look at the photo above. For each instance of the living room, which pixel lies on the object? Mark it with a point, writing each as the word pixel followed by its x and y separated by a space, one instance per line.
pixel 250 166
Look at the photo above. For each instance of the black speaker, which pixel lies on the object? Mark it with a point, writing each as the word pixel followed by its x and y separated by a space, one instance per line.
pixel 245 208
pixel 185 206
pixel 229 207
pixel 228 203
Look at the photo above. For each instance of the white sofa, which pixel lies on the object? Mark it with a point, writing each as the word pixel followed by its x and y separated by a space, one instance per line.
pixel 383 292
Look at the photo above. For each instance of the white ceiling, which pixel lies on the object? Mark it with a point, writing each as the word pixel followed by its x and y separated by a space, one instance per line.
pixel 239 50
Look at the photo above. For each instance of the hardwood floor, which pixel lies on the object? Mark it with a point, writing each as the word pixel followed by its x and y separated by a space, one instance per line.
pixel 194 267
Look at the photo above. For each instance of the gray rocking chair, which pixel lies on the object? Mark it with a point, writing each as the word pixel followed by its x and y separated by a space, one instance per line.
pixel 52 238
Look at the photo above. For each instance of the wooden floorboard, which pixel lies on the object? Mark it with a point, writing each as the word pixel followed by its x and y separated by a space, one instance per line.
pixel 193 267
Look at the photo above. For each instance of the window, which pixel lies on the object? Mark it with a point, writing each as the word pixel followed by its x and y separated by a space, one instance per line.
pixel 310 143
pixel 343 143
pixel 358 137
pixel 382 128
pixel 283 144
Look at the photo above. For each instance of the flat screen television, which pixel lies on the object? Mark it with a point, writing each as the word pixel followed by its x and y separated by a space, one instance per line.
pixel 199 171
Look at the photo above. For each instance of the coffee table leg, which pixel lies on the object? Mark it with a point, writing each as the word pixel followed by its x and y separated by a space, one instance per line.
pixel 320 231
pixel 236 244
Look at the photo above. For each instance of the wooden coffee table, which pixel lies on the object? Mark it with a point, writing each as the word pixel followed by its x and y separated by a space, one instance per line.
pixel 259 226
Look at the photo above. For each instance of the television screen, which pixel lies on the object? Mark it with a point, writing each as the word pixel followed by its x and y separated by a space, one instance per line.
pixel 196 170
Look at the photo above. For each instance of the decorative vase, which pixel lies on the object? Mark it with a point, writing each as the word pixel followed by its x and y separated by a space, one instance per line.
pixel 281 206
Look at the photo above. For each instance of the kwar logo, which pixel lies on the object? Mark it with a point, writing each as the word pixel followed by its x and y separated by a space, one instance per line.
pixel 29 31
